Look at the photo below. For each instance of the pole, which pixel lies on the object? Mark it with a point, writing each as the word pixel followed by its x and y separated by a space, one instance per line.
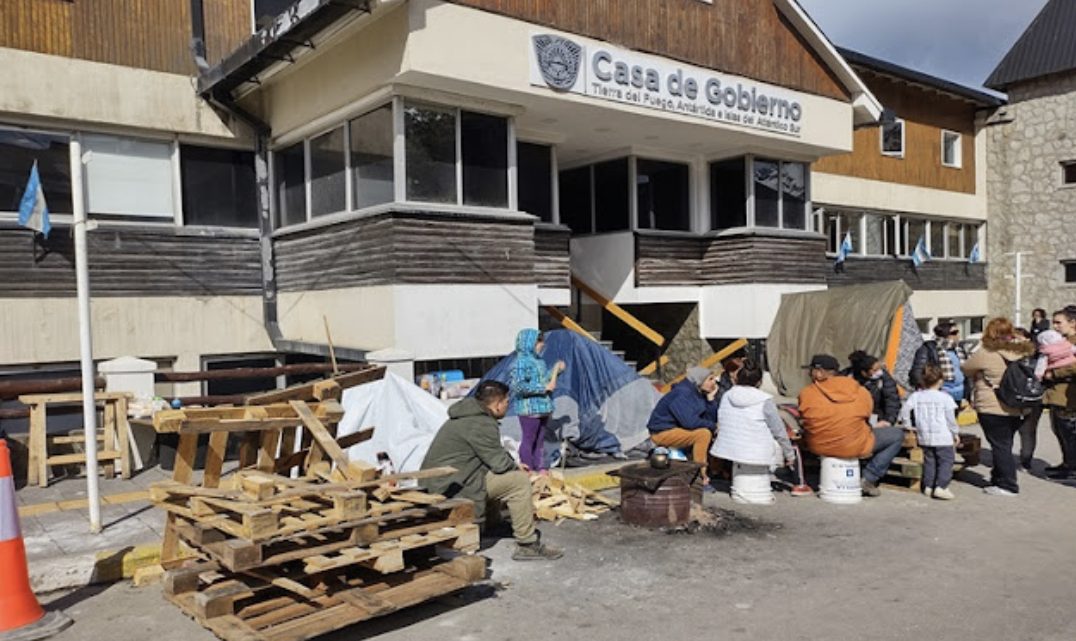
pixel 82 283
pixel 1019 283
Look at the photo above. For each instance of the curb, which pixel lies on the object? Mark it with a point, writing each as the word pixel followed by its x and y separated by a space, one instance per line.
pixel 80 570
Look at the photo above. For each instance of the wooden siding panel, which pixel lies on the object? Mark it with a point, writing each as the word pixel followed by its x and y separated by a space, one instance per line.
pixel 147 34
pixel 933 275
pixel 399 248
pixel 749 38
pixel 552 256
pixel 925 114
pixel 130 262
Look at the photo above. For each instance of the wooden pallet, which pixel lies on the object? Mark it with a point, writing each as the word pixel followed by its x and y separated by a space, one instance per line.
pixel 556 499
pixel 275 607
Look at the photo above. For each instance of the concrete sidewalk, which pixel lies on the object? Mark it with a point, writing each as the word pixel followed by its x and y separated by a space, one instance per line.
pixel 62 553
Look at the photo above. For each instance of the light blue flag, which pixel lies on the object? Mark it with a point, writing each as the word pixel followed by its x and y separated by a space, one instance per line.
pixel 975 256
pixel 921 254
pixel 845 249
pixel 33 210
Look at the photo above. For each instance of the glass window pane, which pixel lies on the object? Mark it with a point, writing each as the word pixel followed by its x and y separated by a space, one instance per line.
pixel 535 177
pixel 893 237
pixel 18 151
pixel 328 173
pixel 290 185
pixel 937 239
pixel 794 195
pixel 950 149
pixel 955 232
pixel 485 159
pixel 767 177
pixel 218 187
pixel 832 232
pixel 575 200
pixel 728 197
pixel 1068 173
pixel 431 153
pixel 916 230
pixel 850 224
pixel 875 235
pixel 893 138
pixel 611 195
pixel 662 190
pixel 371 158
pixel 266 11
pixel 126 177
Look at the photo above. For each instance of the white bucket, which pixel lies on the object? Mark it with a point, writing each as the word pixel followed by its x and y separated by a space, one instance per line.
pixel 840 481
pixel 751 484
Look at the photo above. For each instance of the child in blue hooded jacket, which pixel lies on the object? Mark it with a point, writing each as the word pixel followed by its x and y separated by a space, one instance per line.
pixel 531 386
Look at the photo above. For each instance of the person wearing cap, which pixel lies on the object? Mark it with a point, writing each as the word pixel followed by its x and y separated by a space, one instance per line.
pixel 687 415
pixel 835 412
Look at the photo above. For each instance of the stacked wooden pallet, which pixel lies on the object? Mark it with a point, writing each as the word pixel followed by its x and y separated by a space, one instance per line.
pixel 302 541
pixel 556 499
pixel 906 470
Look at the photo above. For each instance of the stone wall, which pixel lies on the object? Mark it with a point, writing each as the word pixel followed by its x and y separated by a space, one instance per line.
pixel 1028 209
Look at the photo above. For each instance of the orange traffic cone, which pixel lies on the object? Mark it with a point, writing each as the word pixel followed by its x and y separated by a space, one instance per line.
pixel 21 616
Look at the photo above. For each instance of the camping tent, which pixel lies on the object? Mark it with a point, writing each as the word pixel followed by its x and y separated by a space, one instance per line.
pixel 876 318
pixel 404 417
pixel 600 404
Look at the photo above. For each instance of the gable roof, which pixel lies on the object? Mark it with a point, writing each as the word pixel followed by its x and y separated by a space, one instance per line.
pixel 883 67
pixel 1047 46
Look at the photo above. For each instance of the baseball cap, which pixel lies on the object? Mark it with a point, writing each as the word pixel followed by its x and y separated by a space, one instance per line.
pixel 823 361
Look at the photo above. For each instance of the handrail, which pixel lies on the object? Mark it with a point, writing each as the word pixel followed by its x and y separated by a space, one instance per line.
pixel 618 311
pixel 712 360
pixel 566 322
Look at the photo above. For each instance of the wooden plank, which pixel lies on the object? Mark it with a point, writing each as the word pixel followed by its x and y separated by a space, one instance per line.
pixel 653 367
pixel 616 310
pixel 329 445
pixel 711 360
pixel 181 473
pixel 108 423
pixel 38 470
pixel 567 322
pixel 270 441
pixel 80 457
pixel 306 391
pixel 219 600
pixel 214 459
pixel 126 437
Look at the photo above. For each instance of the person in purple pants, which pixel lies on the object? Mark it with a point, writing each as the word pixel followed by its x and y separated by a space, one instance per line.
pixel 531 386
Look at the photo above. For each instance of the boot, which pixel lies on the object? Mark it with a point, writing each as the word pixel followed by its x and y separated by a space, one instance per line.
pixel 536 551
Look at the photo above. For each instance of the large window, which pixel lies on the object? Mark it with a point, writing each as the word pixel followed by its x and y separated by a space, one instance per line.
pixel 728 194
pixel 430 133
pixel 780 194
pixel 328 173
pixel 535 179
pixel 575 200
pixel 937 239
pixel 875 237
pixel 611 195
pixel 893 138
pixel 371 158
pixel 484 141
pixel 663 195
pixel 266 11
pixel 18 152
pixel 951 149
pixel 838 224
pixel 218 187
pixel 291 185
pixel 126 177
pixel 914 230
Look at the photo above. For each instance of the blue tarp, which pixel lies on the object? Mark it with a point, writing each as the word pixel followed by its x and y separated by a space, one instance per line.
pixel 593 375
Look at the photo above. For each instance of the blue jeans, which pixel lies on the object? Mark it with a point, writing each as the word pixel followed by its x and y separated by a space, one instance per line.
pixel 887 441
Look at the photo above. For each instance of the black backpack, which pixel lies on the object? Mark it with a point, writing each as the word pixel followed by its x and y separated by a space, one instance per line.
pixel 1019 388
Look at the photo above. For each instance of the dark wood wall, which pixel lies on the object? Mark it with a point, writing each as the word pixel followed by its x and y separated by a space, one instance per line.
pixel 149 34
pixel 130 262
pixel 552 256
pixel 749 38
pixel 687 259
pixel 422 248
pixel 925 114
pixel 933 275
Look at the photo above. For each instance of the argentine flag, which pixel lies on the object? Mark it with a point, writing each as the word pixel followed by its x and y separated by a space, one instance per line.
pixel 920 255
pixel 33 211
pixel 844 250
pixel 975 256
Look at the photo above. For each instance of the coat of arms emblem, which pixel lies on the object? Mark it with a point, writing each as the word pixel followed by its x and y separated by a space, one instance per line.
pixel 558 60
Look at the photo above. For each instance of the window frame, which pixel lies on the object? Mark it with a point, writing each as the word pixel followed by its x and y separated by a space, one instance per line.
pixel 1066 166
pixel 903 139
pixel 1066 265
pixel 66 218
pixel 554 205
pixel 808 207
pixel 958 149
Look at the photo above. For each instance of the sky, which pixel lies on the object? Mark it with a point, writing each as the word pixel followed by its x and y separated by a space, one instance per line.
pixel 958 40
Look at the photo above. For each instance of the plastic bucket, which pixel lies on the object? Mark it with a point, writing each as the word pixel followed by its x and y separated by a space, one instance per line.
pixel 751 484
pixel 839 481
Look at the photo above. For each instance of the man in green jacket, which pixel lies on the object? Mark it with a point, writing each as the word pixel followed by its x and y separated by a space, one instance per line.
pixel 470 441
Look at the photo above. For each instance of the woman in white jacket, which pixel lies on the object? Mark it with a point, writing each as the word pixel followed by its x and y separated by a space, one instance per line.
pixel 748 423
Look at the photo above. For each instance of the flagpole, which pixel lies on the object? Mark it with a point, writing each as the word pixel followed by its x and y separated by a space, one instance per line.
pixel 82 283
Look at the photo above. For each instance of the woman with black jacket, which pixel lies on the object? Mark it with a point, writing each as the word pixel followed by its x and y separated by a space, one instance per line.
pixel 868 371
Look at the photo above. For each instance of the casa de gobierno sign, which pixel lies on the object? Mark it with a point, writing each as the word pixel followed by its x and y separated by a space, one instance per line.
pixel 610 73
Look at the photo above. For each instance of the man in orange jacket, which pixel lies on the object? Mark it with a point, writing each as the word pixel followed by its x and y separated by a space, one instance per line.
pixel 835 412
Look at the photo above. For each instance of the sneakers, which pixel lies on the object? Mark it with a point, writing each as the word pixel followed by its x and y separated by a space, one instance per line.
pixel 870 488
pixel 943 494
pixel 1060 473
pixel 994 490
pixel 536 551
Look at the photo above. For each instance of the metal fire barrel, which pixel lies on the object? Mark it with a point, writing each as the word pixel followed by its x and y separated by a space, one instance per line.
pixel 656 498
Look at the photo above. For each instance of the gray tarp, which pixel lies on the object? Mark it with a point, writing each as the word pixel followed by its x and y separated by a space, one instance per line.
pixel 837 321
